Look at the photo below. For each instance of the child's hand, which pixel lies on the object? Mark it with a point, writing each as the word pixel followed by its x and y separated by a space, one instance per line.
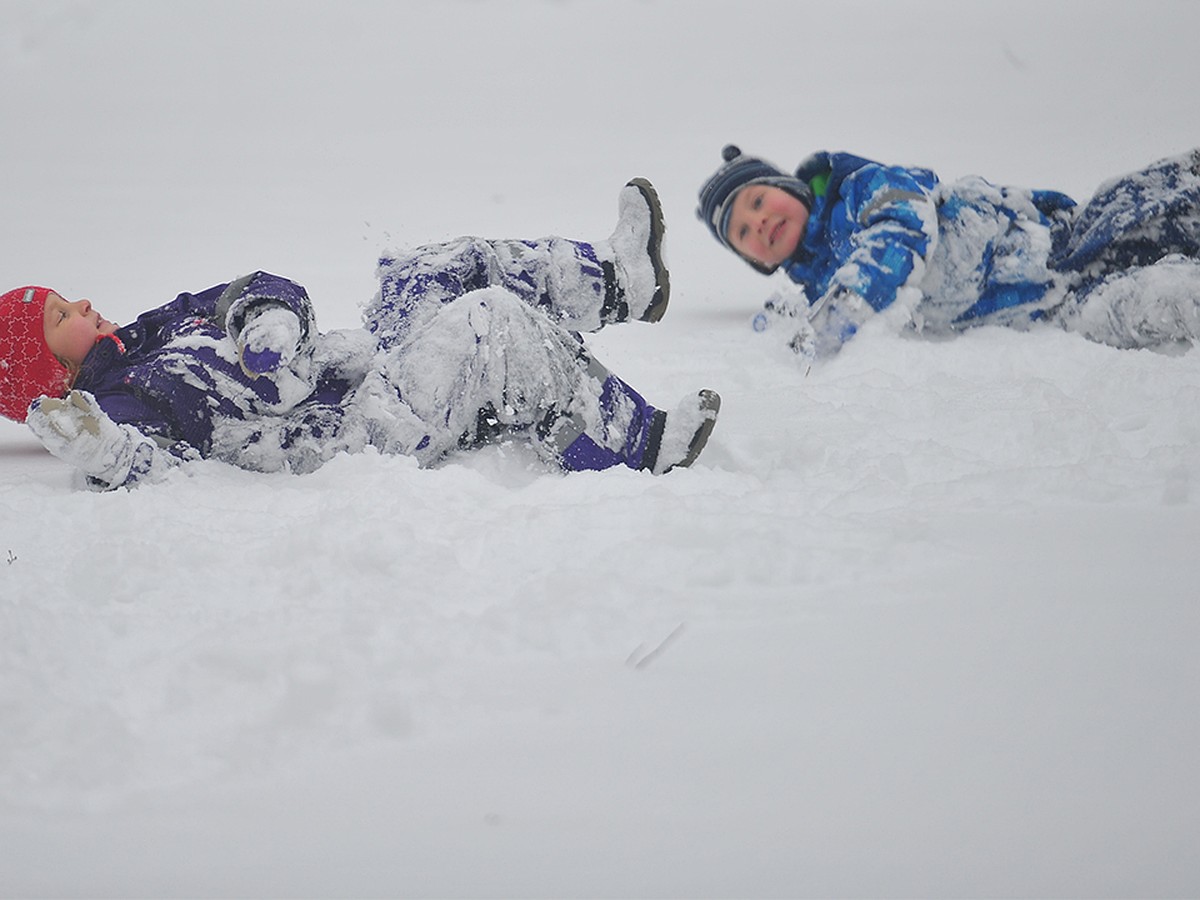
pixel 782 308
pixel 76 430
pixel 813 332
pixel 835 319
pixel 268 340
pixel 68 418
pixel 804 342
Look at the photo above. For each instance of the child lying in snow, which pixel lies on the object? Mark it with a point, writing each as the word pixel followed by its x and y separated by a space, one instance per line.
pixel 858 236
pixel 466 342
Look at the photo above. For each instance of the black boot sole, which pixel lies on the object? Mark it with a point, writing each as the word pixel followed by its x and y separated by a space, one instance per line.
pixel 662 277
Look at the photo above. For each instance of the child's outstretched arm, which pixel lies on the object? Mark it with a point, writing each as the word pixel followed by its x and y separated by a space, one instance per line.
pixel 77 431
pixel 884 231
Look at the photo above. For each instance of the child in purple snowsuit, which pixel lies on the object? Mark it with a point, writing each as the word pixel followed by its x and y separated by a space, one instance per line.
pixel 466 342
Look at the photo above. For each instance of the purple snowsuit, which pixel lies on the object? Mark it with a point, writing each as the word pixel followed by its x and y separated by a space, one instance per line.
pixel 467 342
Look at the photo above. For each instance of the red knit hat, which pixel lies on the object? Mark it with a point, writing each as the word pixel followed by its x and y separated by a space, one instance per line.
pixel 27 367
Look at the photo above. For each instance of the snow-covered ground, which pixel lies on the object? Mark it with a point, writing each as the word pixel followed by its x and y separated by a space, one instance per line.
pixel 922 622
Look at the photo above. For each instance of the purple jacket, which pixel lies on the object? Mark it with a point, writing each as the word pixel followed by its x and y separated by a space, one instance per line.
pixel 174 372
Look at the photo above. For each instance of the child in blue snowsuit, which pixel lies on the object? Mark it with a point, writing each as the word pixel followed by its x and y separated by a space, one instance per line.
pixel 861 238
pixel 466 342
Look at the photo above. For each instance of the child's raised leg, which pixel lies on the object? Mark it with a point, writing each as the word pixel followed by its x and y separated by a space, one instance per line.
pixel 580 286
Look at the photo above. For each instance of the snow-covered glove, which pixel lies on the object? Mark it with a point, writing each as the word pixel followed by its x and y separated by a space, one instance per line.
pixel 782 309
pixel 835 319
pixel 268 339
pixel 76 430
pixel 818 331
pixel 803 342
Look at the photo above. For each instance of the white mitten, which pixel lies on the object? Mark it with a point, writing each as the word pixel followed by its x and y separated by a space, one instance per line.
pixel 77 431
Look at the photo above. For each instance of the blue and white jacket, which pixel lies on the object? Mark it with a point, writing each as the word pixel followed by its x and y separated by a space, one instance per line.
pixel 970 252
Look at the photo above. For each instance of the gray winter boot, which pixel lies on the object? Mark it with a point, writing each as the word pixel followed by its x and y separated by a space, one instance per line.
pixel 684 432
pixel 637 245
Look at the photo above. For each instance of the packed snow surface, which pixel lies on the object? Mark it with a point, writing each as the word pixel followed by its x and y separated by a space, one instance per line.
pixel 922 621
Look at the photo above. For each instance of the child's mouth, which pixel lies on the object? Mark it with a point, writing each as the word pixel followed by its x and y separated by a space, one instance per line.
pixel 774 235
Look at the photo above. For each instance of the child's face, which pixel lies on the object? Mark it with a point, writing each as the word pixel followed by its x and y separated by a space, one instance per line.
pixel 71 329
pixel 766 223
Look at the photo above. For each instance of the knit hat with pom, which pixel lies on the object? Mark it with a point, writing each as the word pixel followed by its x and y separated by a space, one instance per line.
pixel 736 172
pixel 27 367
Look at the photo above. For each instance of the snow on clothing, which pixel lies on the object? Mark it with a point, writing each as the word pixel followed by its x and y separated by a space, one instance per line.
pixel 449 358
pixel 971 253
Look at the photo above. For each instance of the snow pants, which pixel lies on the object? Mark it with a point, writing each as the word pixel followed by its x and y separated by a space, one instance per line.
pixel 1132 262
pixel 481 341
pixel 572 283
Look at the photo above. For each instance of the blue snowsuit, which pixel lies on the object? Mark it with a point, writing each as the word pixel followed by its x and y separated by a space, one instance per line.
pixel 972 253
pixel 449 358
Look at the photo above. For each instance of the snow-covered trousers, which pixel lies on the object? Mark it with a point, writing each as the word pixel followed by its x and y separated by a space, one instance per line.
pixel 487 364
pixel 1132 262
pixel 573 283
pixel 512 358
pixel 1154 306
